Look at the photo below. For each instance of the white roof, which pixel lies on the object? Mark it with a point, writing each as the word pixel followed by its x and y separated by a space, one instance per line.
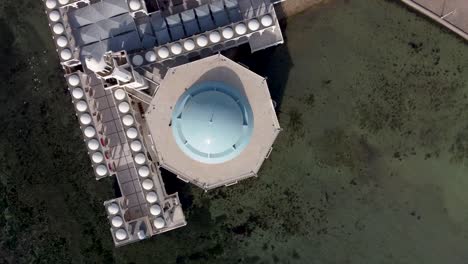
pixel 155 209
pixel 143 171
pixel 58 28
pixel 51 4
pixel 140 158
pixel 253 24
pixel 132 133
pixel 89 131
pixel 266 20
pixel 121 234
pixel 124 107
pixel 81 106
pixel 97 157
pixel 189 45
pixel 128 120
pixel 66 54
pixel 119 94
pixel 134 4
pixel 215 37
pixel 147 184
pixel 95 64
pixel 85 119
pixel 228 33
pixel 176 48
pixel 135 145
pixel 117 221
pixel 112 208
pixel 101 170
pixel 54 15
pixel 202 41
pixel 163 52
pixel 159 223
pixel 240 29
pixel 265 122
pixel 137 60
pixel 93 144
pixel 73 80
pixel 151 197
pixel 77 93
pixel 150 56
pixel 62 41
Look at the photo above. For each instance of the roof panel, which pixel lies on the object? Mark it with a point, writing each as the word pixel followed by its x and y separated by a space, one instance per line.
pixel 177 32
pixel 188 15
pixel 206 24
pixel 221 18
pixel 217 6
pixel 104 29
pixel 202 11
pixel 158 22
pixel 148 41
pixel 163 36
pixel 129 41
pixel 89 34
pixel 95 50
pixel 112 8
pixel 257 3
pixel 191 28
pixel 204 18
pixel 145 29
pixel 231 4
pixel 118 25
pixel 96 12
pixel 85 16
pixel 173 20
pixel 234 15
pixel 244 5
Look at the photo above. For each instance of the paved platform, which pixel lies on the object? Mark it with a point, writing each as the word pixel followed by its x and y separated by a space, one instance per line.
pixel 159 120
pixel 452 14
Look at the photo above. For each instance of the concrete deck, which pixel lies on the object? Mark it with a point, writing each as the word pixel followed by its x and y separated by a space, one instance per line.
pixel 452 14
pixel 266 126
pixel 133 196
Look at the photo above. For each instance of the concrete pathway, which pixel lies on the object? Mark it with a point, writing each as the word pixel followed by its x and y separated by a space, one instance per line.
pixel 452 14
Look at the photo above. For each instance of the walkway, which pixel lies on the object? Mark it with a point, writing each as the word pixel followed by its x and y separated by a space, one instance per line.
pixel 452 14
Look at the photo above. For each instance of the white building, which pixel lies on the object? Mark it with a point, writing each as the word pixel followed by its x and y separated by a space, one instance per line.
pixel 150 92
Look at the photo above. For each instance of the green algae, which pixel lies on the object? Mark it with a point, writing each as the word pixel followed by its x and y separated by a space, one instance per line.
pixel 370 167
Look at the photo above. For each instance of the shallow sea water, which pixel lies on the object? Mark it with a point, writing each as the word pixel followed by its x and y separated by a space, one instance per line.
pixel 371 166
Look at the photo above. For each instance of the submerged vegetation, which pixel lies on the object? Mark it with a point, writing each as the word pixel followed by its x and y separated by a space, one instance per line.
pixel 370 167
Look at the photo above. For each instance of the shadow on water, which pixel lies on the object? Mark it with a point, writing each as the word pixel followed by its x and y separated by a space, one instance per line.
pixel 115 186
pixel 274 63
pixel 7 54
pixel 173 185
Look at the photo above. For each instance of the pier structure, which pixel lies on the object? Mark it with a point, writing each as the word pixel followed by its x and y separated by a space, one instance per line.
pixel 124 62
pixel 215 150
pixel 453 14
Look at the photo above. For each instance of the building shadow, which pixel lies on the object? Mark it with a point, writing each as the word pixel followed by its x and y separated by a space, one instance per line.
pixel 173 184
pixel 273 63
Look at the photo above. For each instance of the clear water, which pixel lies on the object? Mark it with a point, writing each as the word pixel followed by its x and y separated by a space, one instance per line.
pixel 371 166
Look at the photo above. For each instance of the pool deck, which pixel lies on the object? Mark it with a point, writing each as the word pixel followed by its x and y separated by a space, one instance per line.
pixel 452 14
